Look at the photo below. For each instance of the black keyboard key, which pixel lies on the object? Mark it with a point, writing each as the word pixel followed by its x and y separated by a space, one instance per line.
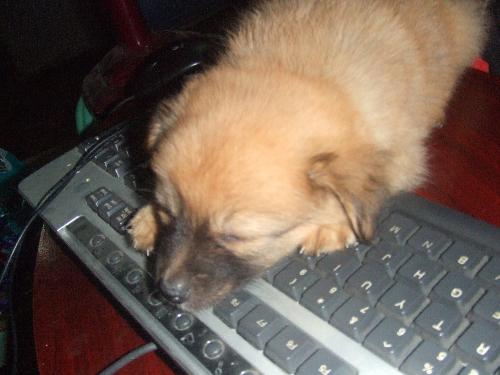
pixel 325 363
pixel 360 249
pixel 481 343
pixel 392 341
pixel 87 144
pixel 491 272
pixel 139 179
pixel 324 297
pixel 356 318
pixel 109 207
pixel 370 282
pixel 117 262
pixel 471 370
pixel 106 157
pixel 119 167
pixel 119 220
pixel 403 302
pixel 182 321
pixel 397 228
pixel 290 348
pixel 232 308
pixel 271 272
pixel 423 272
pixel 392 256
pixel 464 257
pixel 157 303
pixel 98 244
pixel 96 198
pixel 459 290
pixel 137 281
pixel 311 260
pixel 294 279
pixel 119 142
pixel 488 308
pixel 340 264
pixel 429 242
pixel 442 323
pixel 430 359
pixel 259 325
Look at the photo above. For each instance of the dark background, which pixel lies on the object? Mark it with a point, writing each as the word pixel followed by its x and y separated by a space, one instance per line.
pixel 47 47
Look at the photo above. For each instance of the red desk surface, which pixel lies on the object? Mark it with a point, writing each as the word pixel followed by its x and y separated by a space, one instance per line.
pixel 78 331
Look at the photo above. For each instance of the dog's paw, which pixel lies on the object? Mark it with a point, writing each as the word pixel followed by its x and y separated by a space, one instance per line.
pixel 143 229
pixel 324 239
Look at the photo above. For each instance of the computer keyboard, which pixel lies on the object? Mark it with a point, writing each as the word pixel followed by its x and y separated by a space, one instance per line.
pixel 423 298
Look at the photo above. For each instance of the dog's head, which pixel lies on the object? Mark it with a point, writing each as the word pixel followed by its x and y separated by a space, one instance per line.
pixel 245 174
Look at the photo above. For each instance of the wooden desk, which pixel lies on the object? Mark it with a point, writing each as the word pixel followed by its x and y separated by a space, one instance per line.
pixel 78 331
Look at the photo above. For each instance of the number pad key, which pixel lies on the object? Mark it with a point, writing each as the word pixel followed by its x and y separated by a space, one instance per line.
pixel 464 257
pixel 295 279
pixel 325 363
pixel 430 359
pixel 459 290
pixel 259 325
pixel 356 318
pixel 392 341
pixel 324 297
pixel 290 348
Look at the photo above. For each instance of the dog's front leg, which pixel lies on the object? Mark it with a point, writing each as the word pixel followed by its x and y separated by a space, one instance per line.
pixel 143 229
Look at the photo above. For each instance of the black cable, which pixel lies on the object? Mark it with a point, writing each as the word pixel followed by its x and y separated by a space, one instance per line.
pixel 44 201
pixel 128 358
pixel 51 194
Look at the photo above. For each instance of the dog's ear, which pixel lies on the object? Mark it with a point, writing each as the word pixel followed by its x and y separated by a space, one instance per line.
pixel 356 179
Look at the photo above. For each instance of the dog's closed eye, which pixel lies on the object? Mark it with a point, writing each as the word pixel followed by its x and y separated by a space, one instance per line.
pixel 229 238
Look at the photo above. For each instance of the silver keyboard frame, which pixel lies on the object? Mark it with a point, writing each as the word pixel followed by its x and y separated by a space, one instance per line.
pixel 70 204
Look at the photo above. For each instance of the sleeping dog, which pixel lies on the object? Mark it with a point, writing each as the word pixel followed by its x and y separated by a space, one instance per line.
pixel 317 111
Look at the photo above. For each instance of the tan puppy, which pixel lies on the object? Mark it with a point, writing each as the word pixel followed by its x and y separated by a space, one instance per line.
pixel 316 113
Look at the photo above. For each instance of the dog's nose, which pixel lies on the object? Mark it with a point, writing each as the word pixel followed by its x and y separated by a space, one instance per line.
pixel 176 290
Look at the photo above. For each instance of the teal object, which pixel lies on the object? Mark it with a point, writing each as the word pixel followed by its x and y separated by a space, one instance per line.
pixel 9 167
pixel 82 116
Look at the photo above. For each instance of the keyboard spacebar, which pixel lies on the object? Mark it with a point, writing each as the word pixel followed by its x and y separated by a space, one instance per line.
pixel 330 337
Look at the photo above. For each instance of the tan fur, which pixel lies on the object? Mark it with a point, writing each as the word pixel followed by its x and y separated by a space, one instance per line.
pixel 317 112
pixel 144 228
